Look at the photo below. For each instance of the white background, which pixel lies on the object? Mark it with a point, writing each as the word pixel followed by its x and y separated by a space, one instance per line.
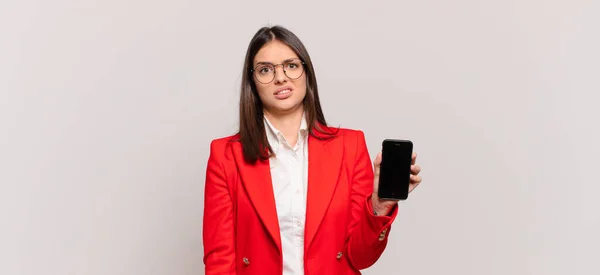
pixel 107 109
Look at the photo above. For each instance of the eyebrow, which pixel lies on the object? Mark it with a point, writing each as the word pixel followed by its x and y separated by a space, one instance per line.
pixel 265 62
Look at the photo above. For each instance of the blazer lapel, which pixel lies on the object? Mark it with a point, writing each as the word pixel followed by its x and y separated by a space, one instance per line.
pixel 256 179
pixel 324 162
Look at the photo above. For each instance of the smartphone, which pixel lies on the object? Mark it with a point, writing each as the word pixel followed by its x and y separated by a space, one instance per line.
pixel 394 173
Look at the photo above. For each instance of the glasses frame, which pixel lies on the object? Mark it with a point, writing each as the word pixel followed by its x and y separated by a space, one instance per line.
pixel 275 70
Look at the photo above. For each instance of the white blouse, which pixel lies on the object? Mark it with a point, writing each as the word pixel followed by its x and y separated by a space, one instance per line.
pixel 289 176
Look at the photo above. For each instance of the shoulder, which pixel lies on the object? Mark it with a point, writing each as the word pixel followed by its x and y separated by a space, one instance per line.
pixel 349 135
pixel 219 147
pixel 351 132
pixel 350 139
pixel 336 131
pixel 354 144
pixel 223 141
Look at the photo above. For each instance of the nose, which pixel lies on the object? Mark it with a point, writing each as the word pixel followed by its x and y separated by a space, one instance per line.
pixel 280 76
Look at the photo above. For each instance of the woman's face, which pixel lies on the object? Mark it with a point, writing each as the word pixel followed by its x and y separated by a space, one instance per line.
pixel 283 94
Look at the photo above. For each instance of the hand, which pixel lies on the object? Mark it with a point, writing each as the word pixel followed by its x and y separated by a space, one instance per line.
pixel 383 207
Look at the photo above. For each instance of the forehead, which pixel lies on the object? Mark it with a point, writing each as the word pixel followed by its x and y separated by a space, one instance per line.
pixel 274 52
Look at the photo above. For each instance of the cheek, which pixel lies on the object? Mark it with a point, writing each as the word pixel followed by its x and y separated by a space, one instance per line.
pixel 262 91
pixel 302 87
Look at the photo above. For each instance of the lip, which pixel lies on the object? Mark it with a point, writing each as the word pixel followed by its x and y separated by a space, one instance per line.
pixel 283 88
pixel 285 95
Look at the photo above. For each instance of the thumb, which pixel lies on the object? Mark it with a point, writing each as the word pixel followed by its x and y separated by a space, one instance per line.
pixel 377 165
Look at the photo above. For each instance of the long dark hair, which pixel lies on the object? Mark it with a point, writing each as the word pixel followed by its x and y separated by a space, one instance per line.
pixel 252 133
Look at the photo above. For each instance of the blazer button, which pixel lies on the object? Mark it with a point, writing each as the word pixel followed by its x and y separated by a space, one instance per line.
pixel 246 261
pixel 339 255
pixel 382 235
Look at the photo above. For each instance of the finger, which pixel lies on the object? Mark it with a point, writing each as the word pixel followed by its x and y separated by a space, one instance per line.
pixel 415 179
pixel 412 187
pixel 414 158
pixel 377 164
pixel 415 169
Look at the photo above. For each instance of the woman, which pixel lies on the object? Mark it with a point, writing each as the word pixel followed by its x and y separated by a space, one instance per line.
pixel 289 194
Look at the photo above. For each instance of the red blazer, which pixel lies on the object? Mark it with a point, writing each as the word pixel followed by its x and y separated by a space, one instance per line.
pixel 342 235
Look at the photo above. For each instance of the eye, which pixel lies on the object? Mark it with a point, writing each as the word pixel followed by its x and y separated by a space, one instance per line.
pixel 264 69
pixel 292 65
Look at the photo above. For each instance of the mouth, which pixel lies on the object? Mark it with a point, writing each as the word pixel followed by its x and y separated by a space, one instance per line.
pixel 283 91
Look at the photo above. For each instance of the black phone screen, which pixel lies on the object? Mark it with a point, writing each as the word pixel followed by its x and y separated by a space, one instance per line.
pixel 394 177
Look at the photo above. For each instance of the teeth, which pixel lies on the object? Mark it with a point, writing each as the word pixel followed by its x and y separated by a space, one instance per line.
pixel 283 92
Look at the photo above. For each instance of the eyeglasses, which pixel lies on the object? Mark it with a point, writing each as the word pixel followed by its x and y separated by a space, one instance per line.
pixel 265 72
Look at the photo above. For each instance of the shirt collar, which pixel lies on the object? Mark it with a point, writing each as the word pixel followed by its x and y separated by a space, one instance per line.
pixel 274 136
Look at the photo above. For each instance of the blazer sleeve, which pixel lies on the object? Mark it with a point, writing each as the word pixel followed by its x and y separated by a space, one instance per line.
pixel 368 232
pixel 218 226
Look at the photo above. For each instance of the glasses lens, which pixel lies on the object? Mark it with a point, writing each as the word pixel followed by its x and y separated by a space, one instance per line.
pixel 264 73
pixel 293 69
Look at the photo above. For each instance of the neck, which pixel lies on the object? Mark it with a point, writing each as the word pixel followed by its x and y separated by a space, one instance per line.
pixel 288 123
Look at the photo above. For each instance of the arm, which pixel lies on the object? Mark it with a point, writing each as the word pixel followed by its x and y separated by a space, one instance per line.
pixel 368 232
pixel 218 227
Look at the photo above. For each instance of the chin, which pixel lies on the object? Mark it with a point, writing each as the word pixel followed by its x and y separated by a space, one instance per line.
pixel 285 107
